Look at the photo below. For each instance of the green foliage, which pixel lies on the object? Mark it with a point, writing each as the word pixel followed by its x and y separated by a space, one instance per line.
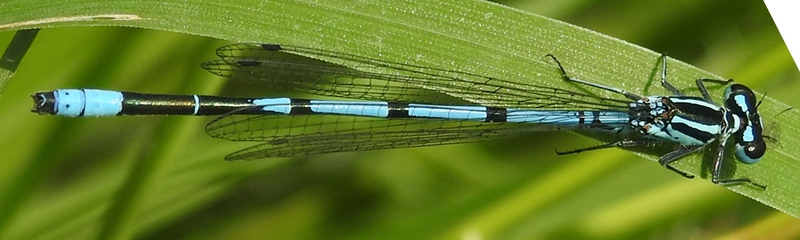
pixel 162 178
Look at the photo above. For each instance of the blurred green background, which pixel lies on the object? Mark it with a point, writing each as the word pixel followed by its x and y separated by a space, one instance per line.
pixel 75 176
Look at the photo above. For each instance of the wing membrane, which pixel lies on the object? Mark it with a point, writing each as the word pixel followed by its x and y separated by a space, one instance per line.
pixel 345 75
pixel 297 135
pixel 350 76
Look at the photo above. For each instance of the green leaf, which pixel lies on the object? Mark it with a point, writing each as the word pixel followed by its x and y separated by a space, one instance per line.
pixel 169 171
pixel 13 55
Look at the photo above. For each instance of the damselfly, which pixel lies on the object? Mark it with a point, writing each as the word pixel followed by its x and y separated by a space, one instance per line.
pixel 412 106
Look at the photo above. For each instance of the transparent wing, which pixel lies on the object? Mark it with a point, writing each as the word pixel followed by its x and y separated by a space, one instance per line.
pixel 344 75
pixel 297 135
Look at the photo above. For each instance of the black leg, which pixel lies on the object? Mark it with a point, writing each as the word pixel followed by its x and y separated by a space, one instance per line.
pixel 700 85
pixel 621 143
pixel 627 94
pixel 664 82
pixel 717 171
pixel 677 154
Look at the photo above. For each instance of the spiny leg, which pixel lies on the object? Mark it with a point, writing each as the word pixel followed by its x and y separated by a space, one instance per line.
pixel 704 91
pixel 627 94
pixel 699 82
pixel 664 160
pixel 677 154
pixel 664 82
pixel 717 171
pixel 621 143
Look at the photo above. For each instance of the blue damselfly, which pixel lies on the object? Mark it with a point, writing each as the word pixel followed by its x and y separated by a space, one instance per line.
pixel 405 105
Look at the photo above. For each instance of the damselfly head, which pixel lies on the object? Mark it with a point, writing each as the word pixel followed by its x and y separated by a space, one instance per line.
pixel 750 145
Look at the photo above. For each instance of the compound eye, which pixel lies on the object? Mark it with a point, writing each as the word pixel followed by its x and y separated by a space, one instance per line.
pixel 750 152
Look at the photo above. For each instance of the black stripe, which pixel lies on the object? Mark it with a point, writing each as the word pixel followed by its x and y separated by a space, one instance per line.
pixel 700 111
pixel 83 109
pixel 687 130
pixel 300 107
pixel 496 114
pixel 213 105
pixel 159 104
pixel 398 110
pixel 597 124
pixel 596 118
pixel 729 118
pixel 156 104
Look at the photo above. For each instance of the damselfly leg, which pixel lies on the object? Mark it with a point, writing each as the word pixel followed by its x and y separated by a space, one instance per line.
pixel 564 75
pixel 716 173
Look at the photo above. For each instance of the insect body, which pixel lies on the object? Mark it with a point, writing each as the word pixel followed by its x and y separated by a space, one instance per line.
pixel 413 106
